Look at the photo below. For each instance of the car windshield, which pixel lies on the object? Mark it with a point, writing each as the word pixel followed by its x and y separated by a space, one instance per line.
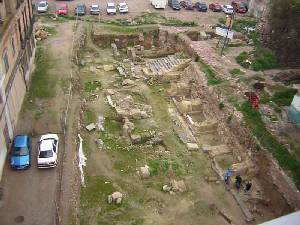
pixel 20 151
pixel 111 7
pixel 123 5
pixel 42 4
pixel 46 154
pixel 94 8
pixel 80 7
pixel 62 8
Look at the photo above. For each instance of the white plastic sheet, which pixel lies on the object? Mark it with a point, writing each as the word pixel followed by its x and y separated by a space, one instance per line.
pixel 82 160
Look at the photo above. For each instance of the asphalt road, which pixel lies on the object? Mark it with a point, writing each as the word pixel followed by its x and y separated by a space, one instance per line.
pixel 28 188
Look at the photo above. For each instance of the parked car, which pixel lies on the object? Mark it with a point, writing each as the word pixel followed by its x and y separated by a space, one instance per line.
pixel 159 4
pixel 174 4
pixel 47 151
pixel 95 10
pixel 80 10
pixel 42 7
pixel 215 7
pixel 227 9
pixel 123 7
pixel 20 152
pixel 111 8
pixel 62 9
pixel 187 4
pixel 201 6
pixel 239 7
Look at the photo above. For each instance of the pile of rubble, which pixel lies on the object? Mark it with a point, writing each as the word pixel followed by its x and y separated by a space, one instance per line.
pixel 175 187
pixel 126 107
pixel 41 34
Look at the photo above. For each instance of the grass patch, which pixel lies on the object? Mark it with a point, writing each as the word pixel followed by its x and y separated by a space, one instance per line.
pixel 268 141
pixel 236 72
pixel 91 86
pixel 211 76
pixel 89 117
pixel 50 30
pixel 285 97
pixel 43 84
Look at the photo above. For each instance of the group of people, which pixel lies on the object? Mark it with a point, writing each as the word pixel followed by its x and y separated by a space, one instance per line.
pixel 238 181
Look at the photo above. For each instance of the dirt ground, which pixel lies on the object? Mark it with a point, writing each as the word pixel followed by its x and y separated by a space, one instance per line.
pixel 31 196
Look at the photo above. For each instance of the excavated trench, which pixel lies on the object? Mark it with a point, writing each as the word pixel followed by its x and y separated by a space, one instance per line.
pixel 200 122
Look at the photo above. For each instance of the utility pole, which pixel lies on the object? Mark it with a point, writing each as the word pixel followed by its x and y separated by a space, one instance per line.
pixel 229 27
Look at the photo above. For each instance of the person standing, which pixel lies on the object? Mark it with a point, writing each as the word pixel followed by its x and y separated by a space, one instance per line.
pixel 248 186
pixel 238 181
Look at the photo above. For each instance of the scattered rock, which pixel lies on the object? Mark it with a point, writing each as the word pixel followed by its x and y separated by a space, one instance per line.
pixel 108 68
pixel 166 188
pixel 135 138
pixel 121 71
pixel 192 146
pixel 115 197
pixel 128 127
pixel 206 148
pixel 99 143
pixel 91 127
pixel 178 186
pixel 144 172
pixel 127 82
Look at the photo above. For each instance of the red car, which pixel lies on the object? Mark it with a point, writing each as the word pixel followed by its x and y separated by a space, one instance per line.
pixel 62 9
pixel 215 7
pixel 239 7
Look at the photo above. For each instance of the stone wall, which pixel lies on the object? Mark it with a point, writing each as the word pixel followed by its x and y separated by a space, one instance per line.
pixel 233 130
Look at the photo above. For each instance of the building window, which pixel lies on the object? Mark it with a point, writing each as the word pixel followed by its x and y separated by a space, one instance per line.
pixel 5 62
pixel 13 46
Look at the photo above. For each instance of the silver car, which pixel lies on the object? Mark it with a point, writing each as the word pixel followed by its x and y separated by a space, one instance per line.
pixel 42 7
pixel 95 10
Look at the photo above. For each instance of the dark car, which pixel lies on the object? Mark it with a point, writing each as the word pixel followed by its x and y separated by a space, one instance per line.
pixel 174 4
pixel 187 4
pixel 215 7
pixel 20 152
pixel 80 10
pixel 201 6
pixel 239 7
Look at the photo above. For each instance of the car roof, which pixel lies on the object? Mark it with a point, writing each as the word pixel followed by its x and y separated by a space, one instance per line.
pixel 95 6
pixel 42 2
pixel 20 141
pixel 110 3
pixel 228 6
pixel 81 5
pixel 122 3
pixel 46 145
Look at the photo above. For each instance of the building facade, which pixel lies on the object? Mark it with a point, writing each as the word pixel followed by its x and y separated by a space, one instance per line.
pixel 17 51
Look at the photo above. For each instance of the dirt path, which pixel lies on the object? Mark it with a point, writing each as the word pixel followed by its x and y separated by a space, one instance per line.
pixel 30 196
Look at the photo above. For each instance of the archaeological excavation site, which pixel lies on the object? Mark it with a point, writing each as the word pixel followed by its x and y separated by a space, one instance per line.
pixel 162 123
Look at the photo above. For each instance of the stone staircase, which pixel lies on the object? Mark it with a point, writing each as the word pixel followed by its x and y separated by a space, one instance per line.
pixel 161 65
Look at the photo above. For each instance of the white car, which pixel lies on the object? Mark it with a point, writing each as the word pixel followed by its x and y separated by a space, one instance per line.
pixel 111 8
pixel 123 7
pixel 47 151
pixel 227 9
pixel 42 7
pixel 95 10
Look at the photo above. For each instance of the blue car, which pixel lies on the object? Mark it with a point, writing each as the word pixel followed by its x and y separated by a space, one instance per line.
pixel 20 152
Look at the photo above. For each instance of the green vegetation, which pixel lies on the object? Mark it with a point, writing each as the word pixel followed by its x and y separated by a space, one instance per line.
pixel 268 141
pixel 50 30
pixel 43 84
pixel 212 78
pixel 89 117
pixel 91 86
pixel 236 72
pixel 259 59
pixel 285 97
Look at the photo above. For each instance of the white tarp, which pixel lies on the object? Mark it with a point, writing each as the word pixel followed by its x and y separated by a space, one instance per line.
pixel 81 160
pixel 296 102
pixel 223 32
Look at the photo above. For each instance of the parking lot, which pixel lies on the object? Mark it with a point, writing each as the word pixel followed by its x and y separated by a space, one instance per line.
pixel 136 7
